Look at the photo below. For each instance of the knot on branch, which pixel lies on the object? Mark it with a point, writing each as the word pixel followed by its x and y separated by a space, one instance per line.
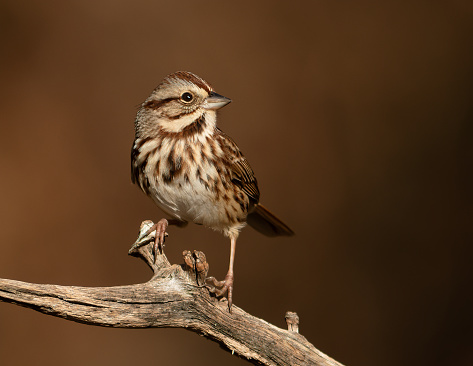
pixel 292 320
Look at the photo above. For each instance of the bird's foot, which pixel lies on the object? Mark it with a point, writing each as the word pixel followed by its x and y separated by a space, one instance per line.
pixel 149 232
pixel 161 233
pixel 219 288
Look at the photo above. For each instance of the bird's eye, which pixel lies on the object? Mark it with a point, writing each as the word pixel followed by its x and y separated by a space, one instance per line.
pixel 187 97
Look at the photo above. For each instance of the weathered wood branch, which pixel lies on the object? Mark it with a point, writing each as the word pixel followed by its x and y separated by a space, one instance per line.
pixel 174 297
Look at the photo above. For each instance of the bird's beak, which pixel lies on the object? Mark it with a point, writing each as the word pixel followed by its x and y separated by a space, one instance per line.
pixel 216 101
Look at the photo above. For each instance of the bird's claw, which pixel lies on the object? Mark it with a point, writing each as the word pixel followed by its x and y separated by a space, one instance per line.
pixel 150 231
pixel 219 288
pixel 160 234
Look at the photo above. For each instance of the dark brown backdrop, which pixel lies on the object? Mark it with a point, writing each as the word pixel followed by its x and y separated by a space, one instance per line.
pixel 356 117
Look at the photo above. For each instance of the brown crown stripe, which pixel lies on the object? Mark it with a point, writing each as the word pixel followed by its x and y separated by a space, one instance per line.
pixel 188 76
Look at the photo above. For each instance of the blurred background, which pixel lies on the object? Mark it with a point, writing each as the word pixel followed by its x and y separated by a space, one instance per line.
pixel 356 117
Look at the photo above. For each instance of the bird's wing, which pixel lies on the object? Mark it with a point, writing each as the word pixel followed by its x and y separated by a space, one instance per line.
pixel 243 176
pixel 241 173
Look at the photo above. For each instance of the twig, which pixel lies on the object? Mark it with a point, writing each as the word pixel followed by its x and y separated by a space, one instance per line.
pixel 174 297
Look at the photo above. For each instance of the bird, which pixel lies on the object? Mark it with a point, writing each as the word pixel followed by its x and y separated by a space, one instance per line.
pixel 193 171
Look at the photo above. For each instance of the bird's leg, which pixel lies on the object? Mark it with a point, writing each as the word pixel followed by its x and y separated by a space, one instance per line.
pixel 219 288
pixel 160 233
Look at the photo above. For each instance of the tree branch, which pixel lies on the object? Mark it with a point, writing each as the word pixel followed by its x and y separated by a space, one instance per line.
pixel 174 297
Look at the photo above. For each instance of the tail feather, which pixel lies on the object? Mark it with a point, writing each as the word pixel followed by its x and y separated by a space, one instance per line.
pixel 266 223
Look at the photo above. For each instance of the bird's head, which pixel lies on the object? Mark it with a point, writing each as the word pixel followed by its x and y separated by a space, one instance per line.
pixel 181 100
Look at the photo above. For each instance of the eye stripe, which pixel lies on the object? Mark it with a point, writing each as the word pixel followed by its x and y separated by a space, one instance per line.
pixel 155 104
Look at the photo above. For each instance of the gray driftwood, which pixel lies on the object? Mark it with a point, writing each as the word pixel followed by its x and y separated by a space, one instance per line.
pixel 173 297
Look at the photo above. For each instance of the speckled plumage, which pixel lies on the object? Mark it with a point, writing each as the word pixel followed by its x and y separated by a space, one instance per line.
pixel 191 169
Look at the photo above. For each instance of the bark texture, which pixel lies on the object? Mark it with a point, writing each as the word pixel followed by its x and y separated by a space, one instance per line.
pixel 173 297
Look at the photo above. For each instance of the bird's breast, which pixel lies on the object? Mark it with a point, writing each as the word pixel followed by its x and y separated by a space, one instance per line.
pixel 190 180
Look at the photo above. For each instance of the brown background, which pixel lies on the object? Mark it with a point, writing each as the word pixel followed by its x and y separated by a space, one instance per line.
pixel 356 117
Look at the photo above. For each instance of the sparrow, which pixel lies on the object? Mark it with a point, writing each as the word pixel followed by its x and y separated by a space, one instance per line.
pixel 193 171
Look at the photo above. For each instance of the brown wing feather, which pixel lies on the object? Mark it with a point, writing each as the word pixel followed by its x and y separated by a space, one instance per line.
pixel 240 170
pixel 243 176
pixel 264 221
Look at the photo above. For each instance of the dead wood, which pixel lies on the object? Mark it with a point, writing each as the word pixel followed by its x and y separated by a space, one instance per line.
pixel 173 297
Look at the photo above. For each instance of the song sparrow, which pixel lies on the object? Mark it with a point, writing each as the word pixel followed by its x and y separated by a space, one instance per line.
pixel 192 170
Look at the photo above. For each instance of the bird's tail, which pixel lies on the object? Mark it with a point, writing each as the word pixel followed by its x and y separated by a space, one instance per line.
pixel 266 223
